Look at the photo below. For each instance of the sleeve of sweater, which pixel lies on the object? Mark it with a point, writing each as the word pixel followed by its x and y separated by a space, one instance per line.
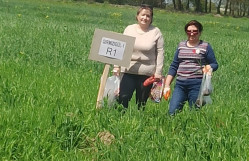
pixel 210 57
pixel 160 54
pixel 174 65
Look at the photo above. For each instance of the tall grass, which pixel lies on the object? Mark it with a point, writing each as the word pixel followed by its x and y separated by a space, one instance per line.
pixel 48 89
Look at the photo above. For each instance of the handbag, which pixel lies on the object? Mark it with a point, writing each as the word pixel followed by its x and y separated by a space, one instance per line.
pixel 156 92
pixel 111 91
pixel 205 90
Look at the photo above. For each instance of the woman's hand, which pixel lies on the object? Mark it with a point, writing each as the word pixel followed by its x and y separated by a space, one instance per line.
pixel 206 68
pixel 166 93
pixel 157 77
pixel 116 71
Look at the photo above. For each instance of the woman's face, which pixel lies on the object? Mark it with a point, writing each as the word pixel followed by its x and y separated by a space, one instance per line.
pixel 144 18
pixel 193 33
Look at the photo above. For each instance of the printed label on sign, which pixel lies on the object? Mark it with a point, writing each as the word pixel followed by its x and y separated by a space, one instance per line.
pixel 112 48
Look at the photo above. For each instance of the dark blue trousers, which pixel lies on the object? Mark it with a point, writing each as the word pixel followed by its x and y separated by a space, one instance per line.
pixel 185 90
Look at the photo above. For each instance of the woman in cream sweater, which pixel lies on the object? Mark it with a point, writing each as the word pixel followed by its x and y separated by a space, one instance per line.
pixel 146 61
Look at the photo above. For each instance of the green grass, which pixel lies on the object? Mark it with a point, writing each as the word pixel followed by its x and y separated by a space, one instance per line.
pixel 48 89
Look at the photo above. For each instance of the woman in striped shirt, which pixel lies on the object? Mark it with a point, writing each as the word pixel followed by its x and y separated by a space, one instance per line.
pixel 191 58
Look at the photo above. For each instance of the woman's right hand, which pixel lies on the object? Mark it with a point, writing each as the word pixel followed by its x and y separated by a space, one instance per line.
pixel 166 92
pixel 116 71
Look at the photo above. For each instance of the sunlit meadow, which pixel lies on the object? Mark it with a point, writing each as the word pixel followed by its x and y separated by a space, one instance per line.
pixel 48 89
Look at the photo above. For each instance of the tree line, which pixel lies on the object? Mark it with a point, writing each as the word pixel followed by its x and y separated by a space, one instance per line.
pixel 235 8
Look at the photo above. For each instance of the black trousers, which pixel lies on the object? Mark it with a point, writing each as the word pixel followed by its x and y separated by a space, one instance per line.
pixel 131 83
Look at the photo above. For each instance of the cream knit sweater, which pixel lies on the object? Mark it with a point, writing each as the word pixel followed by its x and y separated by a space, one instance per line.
pixel 148 53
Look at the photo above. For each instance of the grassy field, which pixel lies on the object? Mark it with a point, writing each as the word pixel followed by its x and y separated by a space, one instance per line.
pixel 48 89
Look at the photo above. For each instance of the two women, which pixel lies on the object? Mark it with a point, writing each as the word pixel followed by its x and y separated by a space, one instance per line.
pixel 191 58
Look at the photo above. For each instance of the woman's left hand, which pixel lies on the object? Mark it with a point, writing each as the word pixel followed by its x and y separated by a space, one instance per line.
pixel 206 68
pixel 157 77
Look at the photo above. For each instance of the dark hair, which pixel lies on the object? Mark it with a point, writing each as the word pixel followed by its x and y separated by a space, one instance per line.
pixel 197 24
pixel 145 6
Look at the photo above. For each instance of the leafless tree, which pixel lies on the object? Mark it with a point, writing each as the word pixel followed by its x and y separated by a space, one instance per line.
pixel 218 6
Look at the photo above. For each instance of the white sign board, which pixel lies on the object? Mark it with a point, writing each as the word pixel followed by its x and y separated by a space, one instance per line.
pixel 111 48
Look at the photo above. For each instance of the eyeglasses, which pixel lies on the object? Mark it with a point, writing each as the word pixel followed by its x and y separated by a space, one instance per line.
pixel 192 32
